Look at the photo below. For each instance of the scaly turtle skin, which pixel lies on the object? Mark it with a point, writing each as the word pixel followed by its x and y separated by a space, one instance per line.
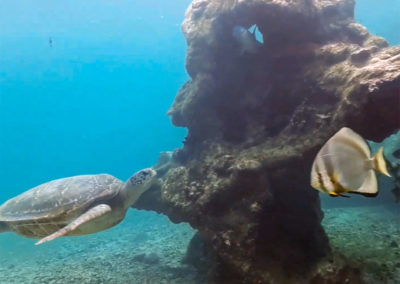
pixel 76 205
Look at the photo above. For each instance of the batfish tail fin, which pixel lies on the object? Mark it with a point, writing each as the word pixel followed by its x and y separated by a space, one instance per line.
pixel 3 227
pixel 379 163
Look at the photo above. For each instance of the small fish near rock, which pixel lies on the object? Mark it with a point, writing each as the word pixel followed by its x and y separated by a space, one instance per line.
pixel 73 206
pixel 396 154
pixel 247 40
pixel 395 172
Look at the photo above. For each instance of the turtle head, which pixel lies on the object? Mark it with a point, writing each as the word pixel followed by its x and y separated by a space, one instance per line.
pixel 142 177
pixel 137 184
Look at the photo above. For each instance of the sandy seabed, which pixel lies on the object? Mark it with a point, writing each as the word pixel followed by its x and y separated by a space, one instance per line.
pixel 369 237
pixel 144 248
pixel 147 248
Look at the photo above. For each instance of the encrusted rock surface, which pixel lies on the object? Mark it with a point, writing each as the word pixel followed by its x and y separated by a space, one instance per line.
pixel 255 122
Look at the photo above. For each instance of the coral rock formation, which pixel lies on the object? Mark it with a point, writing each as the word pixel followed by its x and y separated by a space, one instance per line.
pixel 255 122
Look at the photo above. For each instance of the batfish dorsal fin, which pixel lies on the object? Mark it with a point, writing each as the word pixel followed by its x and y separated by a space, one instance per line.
pixel 353 139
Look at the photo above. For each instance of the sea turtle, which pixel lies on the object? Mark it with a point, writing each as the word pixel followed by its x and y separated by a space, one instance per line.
pixel 77 205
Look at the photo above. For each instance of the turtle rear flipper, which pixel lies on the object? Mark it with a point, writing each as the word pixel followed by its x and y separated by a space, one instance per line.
pixel 88 216
pixel 3 227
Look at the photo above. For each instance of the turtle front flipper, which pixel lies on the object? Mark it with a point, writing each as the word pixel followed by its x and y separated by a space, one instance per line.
pixel 89 215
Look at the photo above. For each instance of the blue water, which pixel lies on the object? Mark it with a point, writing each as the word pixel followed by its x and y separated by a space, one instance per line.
pixel 380 18
pixel 95 101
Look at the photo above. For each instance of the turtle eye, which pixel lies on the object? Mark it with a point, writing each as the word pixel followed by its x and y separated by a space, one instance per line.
pixel 147 173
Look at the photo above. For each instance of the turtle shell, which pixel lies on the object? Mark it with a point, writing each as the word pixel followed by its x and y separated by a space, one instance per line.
pixel 60 197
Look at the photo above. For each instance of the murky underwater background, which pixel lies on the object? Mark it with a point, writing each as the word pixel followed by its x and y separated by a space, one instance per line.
pixel 95 101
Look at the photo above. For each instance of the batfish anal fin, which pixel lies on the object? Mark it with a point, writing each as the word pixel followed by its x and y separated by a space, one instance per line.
pixel 370 194
pixel 89 215
pixel 336 194
pixel 365 194
pixel 339 188
pixel 370 184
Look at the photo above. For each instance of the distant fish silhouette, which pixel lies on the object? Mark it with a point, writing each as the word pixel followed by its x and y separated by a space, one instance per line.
pixel 50 42
pixel 395 171
pixel 396 154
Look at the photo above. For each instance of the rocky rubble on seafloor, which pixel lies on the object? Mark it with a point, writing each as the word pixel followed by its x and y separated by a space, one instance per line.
pixel 370 242
pixel 255 122
pixel 145 249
